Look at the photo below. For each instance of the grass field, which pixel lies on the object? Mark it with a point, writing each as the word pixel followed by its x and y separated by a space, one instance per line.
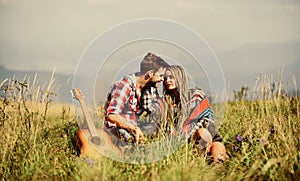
pixel 38 141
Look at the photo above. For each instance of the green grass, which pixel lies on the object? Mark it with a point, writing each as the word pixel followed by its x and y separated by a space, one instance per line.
pixel 38 142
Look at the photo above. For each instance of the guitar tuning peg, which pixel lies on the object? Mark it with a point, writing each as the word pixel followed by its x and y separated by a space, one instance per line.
pixel 72 93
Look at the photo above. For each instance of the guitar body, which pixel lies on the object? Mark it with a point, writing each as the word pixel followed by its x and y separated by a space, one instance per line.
pixel 94 140
pixel 89 149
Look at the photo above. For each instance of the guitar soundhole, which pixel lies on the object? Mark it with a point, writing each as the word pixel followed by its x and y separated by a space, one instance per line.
pixel 96 140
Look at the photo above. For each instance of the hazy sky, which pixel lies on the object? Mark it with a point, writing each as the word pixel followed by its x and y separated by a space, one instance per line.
pixel 247 36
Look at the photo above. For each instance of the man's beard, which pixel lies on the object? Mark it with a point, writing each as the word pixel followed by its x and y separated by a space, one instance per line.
pixel 153 84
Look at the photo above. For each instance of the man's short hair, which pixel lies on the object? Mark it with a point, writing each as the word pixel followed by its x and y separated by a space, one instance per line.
pixel 152 62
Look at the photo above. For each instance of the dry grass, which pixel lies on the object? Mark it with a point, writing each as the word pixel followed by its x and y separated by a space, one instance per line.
pixel 38 141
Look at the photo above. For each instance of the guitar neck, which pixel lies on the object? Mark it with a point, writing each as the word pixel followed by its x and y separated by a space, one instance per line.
pixel 88 118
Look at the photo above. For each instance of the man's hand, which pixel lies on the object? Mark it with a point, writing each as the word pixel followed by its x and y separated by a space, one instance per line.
pixel 139 135
pixel 125 124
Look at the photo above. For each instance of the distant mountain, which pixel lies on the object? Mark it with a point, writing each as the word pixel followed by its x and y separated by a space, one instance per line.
pixel 62 84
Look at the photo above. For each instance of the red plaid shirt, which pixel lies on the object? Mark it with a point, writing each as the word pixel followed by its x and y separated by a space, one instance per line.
pixel 123 99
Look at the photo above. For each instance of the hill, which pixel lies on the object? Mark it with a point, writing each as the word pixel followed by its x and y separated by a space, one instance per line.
pixel 62 84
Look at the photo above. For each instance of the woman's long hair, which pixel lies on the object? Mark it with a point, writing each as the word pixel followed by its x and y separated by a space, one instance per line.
pixel 179 96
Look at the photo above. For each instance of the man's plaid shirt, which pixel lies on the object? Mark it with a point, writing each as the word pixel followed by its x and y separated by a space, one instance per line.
pixel 123 99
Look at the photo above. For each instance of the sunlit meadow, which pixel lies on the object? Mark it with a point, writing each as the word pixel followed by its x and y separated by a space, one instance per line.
pixel 260 129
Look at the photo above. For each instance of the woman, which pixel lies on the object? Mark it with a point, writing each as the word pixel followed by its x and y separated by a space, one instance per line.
pixel 189 111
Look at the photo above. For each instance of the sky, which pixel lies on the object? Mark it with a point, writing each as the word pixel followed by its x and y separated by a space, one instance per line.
pixel 248 37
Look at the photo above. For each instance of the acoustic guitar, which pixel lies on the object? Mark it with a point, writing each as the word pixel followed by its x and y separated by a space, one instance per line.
pixel 94 139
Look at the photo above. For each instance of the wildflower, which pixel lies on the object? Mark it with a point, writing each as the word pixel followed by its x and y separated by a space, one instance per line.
pixel 236 148
pixel 272 130
pixel 220 160
pixel 239 138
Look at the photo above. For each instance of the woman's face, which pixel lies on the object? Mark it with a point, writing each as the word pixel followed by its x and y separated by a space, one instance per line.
pixel 169 80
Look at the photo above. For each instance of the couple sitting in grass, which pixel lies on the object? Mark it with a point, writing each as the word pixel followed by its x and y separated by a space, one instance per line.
pixel 182 112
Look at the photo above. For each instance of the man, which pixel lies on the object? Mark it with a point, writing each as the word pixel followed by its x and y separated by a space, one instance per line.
pixel 124 102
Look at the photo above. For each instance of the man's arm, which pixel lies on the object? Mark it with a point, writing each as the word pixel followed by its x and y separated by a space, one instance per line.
pixel 125 124
pixel 119 95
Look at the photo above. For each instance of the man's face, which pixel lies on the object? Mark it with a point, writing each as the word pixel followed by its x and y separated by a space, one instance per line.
pixel 157 77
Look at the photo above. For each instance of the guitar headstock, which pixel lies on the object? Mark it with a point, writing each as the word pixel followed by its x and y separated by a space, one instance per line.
pixel 77 93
